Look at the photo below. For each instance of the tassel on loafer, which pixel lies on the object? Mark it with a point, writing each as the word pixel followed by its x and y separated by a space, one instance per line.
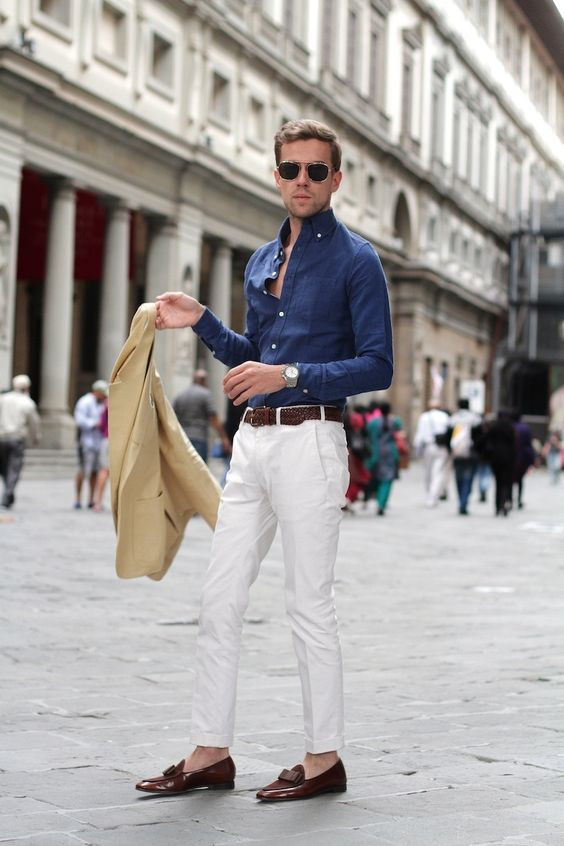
pixel 292 784
pixel 174 780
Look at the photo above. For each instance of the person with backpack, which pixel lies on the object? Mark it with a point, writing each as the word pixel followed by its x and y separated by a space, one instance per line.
pixel 464 424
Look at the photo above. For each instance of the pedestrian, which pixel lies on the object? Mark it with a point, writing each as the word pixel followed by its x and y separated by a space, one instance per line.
pixel 195 411
pixel 383 462
pixel 19 428
pixel 231 424
pixel 553 454
pixel 318 330
pixel 525 454
pixel 498 446
pixel 103 461
pixel 358 446
pixel 484 474
pixel 431 440
pixel 88 417
pixel 464 423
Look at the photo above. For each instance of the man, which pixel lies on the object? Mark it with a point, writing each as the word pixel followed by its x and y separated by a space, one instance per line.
pixel 464 424
pixel 19 427
pixel 318 330
pixel 195 412
pixel 88 413
pixel 431 442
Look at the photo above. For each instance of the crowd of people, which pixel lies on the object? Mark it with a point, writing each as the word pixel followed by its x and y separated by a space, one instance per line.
pixel 474 449
pixel 378 447
pixel 472 446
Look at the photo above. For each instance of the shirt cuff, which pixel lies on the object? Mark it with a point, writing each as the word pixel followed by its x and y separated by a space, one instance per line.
pixel 309 381
pixel 208 328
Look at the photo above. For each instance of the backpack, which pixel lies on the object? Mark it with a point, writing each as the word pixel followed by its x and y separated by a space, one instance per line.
pixel 461 440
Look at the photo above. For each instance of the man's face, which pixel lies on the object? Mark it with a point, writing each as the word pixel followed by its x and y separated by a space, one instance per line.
pixel 302 196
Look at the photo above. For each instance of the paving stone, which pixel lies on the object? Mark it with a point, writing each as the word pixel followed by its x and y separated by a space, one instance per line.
pixel 451 632
pixel 45 839
pixel 18 825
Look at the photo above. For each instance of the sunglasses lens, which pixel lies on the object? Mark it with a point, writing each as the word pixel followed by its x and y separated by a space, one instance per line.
pixel 318 171
pixel 288 170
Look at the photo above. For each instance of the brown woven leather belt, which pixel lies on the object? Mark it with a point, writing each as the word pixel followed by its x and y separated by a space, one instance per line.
pixel 291 415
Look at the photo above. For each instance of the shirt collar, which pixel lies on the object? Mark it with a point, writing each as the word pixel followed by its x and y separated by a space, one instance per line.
pixel 321 224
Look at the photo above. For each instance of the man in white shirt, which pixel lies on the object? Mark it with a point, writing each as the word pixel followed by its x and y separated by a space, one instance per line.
pixel 87 415
pixel 432 427
pixel 19 427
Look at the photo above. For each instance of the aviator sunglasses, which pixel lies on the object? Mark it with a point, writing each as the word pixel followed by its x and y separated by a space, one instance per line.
pixel 316 171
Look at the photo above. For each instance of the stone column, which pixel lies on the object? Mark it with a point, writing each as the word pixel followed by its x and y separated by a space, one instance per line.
pixel 189 255
pixel 114 305
pixel 220 303
pixel 161 277
pixel 58 430
pixel 11 158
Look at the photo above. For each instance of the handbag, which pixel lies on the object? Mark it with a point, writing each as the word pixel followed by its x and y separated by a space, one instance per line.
pixel 403 448
pixel 443 438
pixel 401 442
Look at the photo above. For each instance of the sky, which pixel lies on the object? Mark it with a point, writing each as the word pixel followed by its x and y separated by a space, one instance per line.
pixel 560 5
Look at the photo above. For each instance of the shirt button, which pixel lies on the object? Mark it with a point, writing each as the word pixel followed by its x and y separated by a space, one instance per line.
pixel 273 273
pixel 280 314
pixel 305 391
pixel 319 234
pixel 265 292
pixel 273 346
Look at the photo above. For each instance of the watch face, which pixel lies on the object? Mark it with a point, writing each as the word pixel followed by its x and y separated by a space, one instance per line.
pixel 292 372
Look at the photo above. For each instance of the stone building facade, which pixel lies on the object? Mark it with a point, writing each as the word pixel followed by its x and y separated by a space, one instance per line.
pixel 136 156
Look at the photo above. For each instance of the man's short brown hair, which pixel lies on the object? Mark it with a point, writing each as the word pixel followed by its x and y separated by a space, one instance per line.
pixel 303 130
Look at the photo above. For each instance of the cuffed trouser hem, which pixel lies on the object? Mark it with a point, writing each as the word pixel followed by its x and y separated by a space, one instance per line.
pixel 317 747
pixel 221 741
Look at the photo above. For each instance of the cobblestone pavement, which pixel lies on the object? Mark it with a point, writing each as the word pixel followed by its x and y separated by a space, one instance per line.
pixel 452 631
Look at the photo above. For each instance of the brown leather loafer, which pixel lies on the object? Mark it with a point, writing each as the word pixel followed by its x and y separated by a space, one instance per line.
pixel 174 781
pixel 292 784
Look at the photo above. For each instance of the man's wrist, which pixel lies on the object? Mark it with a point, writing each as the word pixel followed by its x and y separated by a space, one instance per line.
pixel 200 313
pixel 290 375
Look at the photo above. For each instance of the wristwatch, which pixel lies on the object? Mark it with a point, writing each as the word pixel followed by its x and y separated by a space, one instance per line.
pixel 290 374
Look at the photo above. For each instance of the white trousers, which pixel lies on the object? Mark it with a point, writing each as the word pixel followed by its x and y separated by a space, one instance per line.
pixel 435 460
pixel 294 477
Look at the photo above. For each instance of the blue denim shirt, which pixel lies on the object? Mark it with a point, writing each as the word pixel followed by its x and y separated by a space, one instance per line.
pixel 332 319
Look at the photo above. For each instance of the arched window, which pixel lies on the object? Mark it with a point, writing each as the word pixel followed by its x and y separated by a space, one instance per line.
pixel 402 223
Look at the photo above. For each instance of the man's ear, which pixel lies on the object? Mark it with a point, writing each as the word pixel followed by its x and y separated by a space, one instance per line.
pixel 336 181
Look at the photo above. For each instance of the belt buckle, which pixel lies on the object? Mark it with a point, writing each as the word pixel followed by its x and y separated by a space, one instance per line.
pixel 262 417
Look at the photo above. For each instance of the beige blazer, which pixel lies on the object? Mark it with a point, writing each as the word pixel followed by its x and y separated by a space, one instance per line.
pixel 158 480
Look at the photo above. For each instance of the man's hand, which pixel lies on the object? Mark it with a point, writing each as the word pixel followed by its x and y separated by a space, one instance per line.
pixel 176 310
pixel 252 378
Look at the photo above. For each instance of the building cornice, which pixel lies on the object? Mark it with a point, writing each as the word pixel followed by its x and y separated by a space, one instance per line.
pixel 418 273
pixel 493 87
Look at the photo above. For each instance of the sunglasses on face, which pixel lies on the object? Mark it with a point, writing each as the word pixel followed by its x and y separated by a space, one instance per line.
pixel 316 171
